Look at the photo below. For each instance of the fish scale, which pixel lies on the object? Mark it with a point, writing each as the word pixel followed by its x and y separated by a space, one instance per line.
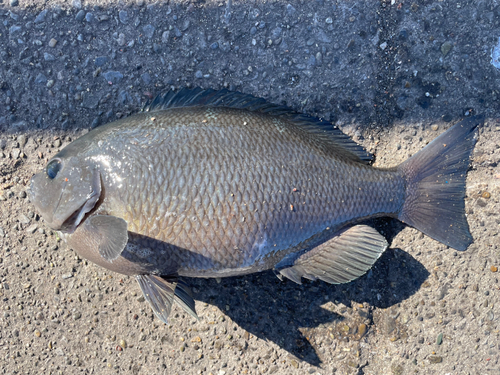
pixel 208 183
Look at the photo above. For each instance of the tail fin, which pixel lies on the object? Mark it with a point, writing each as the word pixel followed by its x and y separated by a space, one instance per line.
pixel 435 185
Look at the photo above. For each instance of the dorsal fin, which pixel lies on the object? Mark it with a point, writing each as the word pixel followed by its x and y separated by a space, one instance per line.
pixel 198 97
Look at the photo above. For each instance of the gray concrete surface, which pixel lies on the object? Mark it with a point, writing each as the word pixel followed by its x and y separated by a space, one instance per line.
pixel 391 74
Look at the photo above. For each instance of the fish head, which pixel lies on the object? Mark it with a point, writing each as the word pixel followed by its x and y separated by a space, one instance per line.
pixel 67 190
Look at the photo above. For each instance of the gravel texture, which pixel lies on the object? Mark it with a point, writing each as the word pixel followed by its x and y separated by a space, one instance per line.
pixel 391 74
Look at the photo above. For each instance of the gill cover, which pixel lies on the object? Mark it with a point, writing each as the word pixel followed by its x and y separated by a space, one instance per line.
pixel 65 191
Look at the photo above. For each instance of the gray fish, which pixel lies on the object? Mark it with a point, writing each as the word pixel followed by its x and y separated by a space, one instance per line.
pixel 208 183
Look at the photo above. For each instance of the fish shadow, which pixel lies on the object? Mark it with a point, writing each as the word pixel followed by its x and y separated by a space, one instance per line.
pixel 280 311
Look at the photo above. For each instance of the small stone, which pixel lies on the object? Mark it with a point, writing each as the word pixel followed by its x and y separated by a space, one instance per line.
pixel 77 315
pixel 435 127
pixel 37 333
pixel 77 4
pixel 294 363
pixel 494 268
pixel 48 56
pixel 362 329
pixel 481 202
pixel 52 42
pixel 113 76
pixel 439 340
pixel 185 25
pixel 290 10
pixel 383 46
pixel 198 74
pixel 89 17
pixel 329 20
pixel 14 3
pixel 165 36
pixel 148 31
pixel 146 78
pixel 123 344
pixel 80 16
pixel 123 16
pixel 32 228
pixel 101 60
pixel 41 16
pixel 15 153
pixel 446 48
pixel 485 195
pixel 40 79
pixel 435 359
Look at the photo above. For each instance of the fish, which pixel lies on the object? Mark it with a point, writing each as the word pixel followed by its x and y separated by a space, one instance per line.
pixel 214 183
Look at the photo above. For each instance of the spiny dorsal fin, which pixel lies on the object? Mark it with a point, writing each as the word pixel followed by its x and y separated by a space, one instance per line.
pixel 198 97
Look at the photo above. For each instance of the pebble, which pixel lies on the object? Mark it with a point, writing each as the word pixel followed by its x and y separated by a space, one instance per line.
pixel 89 17
pixel 439 339
pixel 14 3
pixel 77 4
pixel 383 46
pixel 77 315
pixel 165 36
pixel 486 195
pixel 148 31
pixel 494 268
pixel 80 16
pixel 15 153
pixel 446 48
pixel 435 127
pixel 24 219
pixel 185 25
pixel 435 359
pixel 14 29
pixel 41 16
pixel 121 39
pixel 52 42
pixel 123 344
pixel 38 333
pixel 113 76
pixel 123 16
pixel 101 60
pixel 362 329
pixel 329 20
pixel 32 228
pixel 48 56
pixel 146 78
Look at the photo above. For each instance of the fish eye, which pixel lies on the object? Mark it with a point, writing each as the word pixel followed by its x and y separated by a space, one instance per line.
pixel 53 168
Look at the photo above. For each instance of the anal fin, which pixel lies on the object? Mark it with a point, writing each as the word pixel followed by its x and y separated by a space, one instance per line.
pixel 162 292
pixel 339 260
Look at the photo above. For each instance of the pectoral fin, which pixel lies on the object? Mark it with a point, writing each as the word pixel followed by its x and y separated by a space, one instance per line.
pixel 162 292
pixel 110 233
pixel 339 260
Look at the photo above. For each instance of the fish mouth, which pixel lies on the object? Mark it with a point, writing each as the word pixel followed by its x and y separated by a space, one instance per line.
pixel 90 205
pixel 72 222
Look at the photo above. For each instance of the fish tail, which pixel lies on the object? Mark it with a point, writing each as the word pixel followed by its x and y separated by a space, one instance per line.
pixel 435 185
